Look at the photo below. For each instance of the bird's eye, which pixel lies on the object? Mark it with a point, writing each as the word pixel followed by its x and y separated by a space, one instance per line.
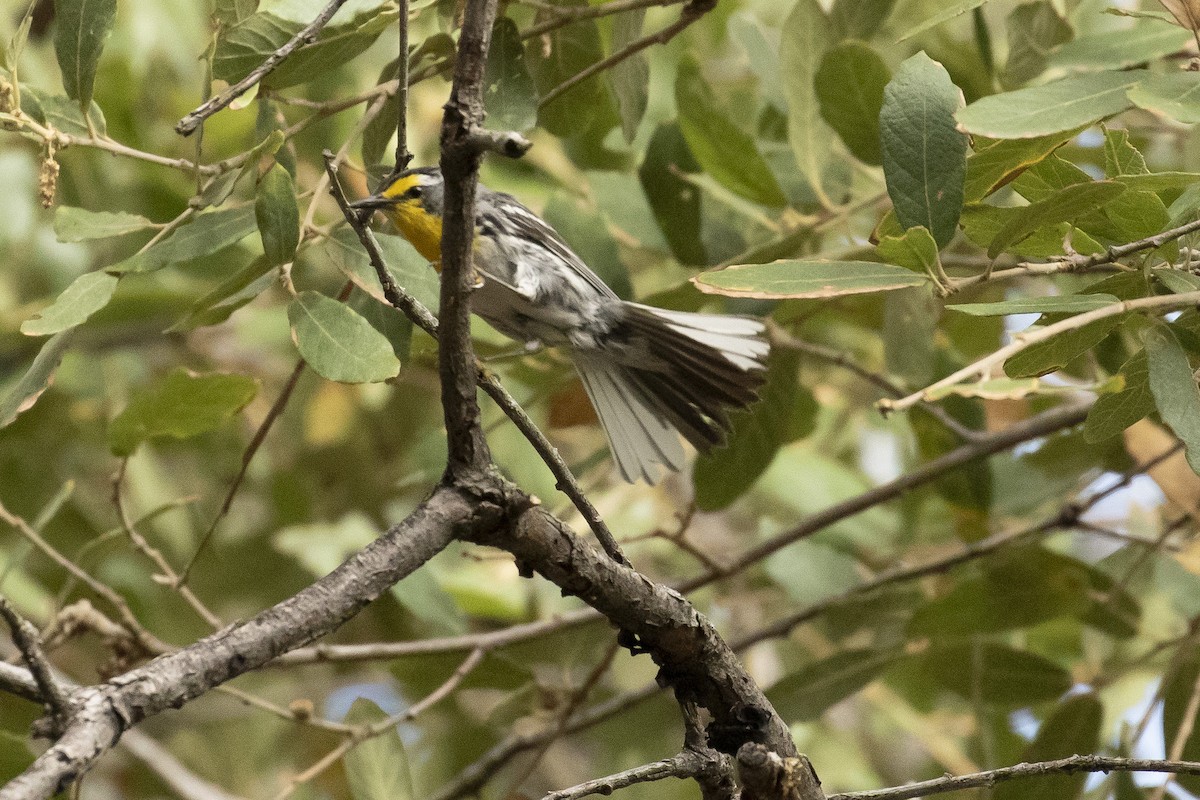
pixel 415 191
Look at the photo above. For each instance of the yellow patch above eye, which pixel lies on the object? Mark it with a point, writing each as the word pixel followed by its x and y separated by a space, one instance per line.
pixel 402 185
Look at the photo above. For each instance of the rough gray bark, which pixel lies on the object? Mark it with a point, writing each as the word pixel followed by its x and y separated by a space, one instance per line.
pixel 169 681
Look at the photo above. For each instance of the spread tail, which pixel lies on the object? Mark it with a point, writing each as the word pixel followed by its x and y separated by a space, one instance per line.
pixel 662 374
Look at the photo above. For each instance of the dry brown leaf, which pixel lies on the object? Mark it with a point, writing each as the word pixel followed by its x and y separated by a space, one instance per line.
pixel 1186 12
pixel 1145 441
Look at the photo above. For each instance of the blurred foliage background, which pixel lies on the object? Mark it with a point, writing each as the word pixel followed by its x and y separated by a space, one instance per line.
pixel 1037 602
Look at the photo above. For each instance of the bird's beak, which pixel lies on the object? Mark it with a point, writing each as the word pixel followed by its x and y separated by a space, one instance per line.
pixel 373 202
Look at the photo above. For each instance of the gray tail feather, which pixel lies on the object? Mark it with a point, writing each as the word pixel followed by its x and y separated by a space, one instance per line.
pixel 665 373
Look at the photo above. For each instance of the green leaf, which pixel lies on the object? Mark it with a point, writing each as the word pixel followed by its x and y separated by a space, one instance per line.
pixel 277 215
pixel 60 112
pixel 786 411
pixel 86 295
pixel 1055 304
pixel 1138 215
pixel 80 28
pixel 915 250
pixel 1072 728
pixel 227 297
pixel 207 233
pixel 182 405
pixel 981 223
pixel 996 164
pixel 1050 175
pixel 804 38
pixel 1177 281
pixel 675 202
pixel 377 769
pixel 1121 157
pixel 1058 351
pixel 806 279
pixel 1021 589
pixel 1141 42
pixel 805 694
pixel 1175 95
pixel 1113 412
pixel 1072 102
pixel 924 155
pixel 338 343
pixel 73 224
pixel 560 55
pixel 859 19
pixel 723 150
pixel 1174 388
pixel 629 79
pixel 1066 205
pixel 409 269
pixel 1161 181
pixel 948 12
pixel 230 12
pixel 762 51
pixel 219 190
pixel 247 44
pixel 36 379
pixel 1034 29
pixel 910 319
pixel 509 95
pixel 389 321
pixel 379 132
pixel 998 674
pixel 849 86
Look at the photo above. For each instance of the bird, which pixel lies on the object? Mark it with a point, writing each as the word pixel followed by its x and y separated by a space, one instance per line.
pixel 651 374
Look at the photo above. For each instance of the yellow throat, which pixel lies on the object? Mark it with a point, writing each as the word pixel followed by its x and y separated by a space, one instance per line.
pixel 422 229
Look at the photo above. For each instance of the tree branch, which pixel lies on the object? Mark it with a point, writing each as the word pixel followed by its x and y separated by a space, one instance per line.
pixel 688 764
pixel 1070 765
pixel 1043 424
pixel 25 636
pixel 1024 340
pixel 460 160
pixel 107 710
pixel 692 657
pixel 307 35
pixel 694 10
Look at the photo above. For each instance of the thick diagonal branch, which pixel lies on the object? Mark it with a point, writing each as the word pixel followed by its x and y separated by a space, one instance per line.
pixel 107 710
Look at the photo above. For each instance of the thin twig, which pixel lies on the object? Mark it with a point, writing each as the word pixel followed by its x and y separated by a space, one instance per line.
pixel 185 783
pixel 561 16
pixel 1025 340
pixel 27 639
pixel 403 156
pixel 1180 740
pixel 1071 765
pixel 381 651
pixel 145 639
pixel 1044 424
pixel 306 35
pixel 574 701
pixel 143 546
pixel 1082 263
pixel 694 10
pixel 687 764
pixel 361 734
pixel 256 442
pixel 781 338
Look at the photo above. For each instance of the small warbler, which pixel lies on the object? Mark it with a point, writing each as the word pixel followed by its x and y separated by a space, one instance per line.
pixel 651 374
